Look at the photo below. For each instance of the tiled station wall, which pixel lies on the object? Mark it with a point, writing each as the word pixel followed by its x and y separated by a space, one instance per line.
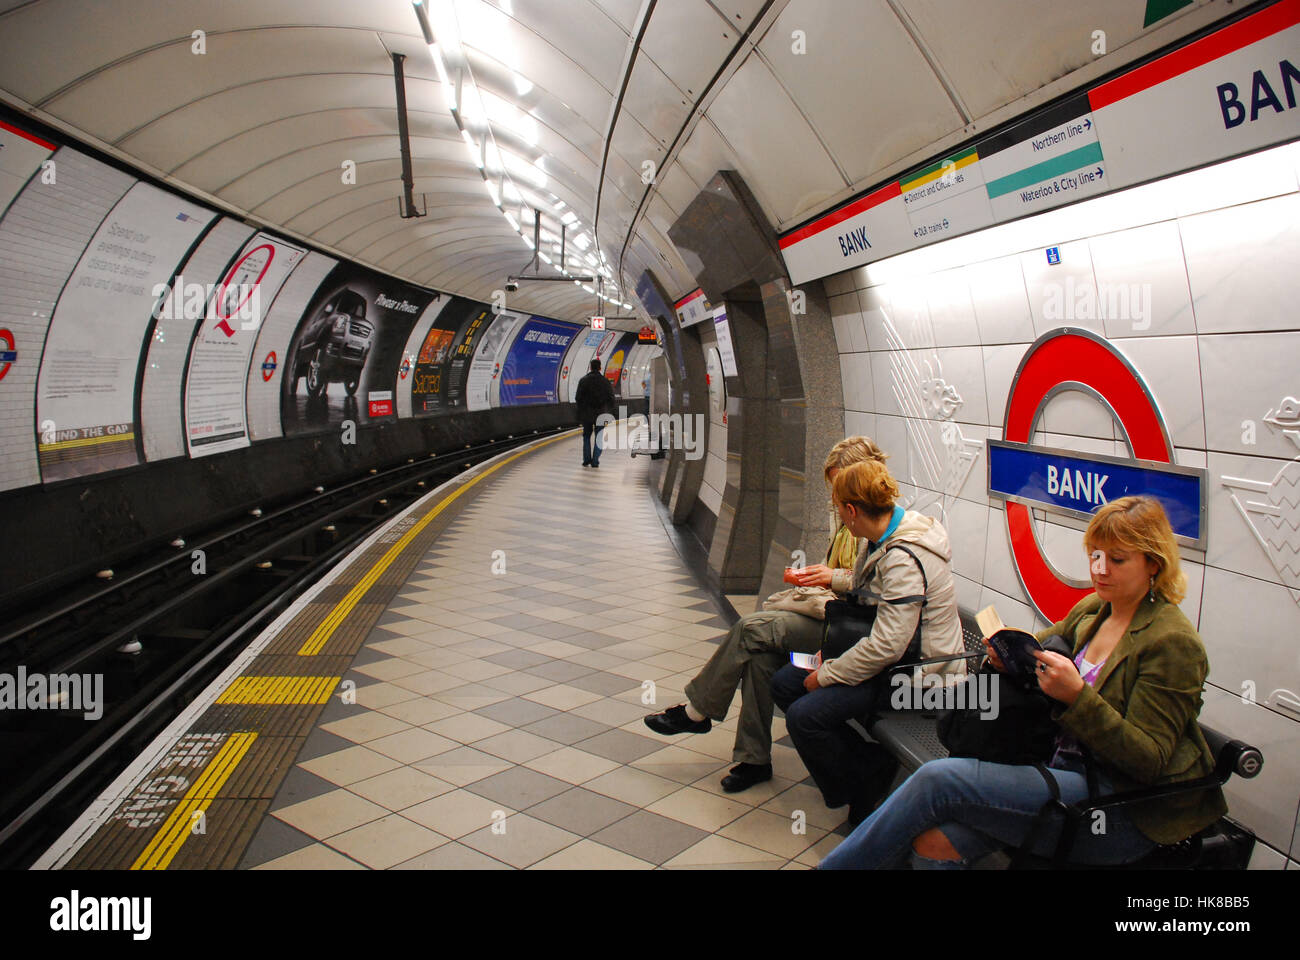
pixel 929 343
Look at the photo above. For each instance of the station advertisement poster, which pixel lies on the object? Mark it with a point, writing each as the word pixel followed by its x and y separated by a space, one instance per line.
pixel 530 374
pixel 485 368
pixel 85 395
pixel 349 342
pixel 441 365
pixel 614 365
pixel 216 384
pixel 727 353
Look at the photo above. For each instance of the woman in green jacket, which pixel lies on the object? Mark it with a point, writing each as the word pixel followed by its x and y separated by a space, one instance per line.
pixel 1131 697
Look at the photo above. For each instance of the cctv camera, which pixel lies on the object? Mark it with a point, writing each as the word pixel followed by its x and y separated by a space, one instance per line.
pixel 511 286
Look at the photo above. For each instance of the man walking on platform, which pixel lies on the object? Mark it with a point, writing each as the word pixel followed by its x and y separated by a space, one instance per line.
pixel 594 397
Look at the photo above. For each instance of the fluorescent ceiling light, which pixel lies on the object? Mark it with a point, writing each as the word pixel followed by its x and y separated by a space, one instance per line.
pixel 513 222
pixel 569 219
pixel 544 257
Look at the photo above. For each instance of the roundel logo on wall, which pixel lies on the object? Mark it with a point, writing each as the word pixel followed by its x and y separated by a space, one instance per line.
pixel 565 374
pixel 268 367
pixel 8 352
pixel 405 368
pixel 1030 477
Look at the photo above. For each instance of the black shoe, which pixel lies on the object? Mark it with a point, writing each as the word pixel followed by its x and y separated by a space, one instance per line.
pixel 745 775
pixel 595 465
pixel 674 720
pixel 586 463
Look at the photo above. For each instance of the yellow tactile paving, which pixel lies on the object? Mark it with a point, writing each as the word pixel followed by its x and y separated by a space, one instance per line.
pixel 279 690
pixel 168 840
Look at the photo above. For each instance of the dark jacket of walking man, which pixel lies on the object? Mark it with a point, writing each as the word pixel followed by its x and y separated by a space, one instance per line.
pixel 594 397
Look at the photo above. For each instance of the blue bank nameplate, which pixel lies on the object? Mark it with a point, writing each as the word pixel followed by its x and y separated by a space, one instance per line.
pixel 1076 484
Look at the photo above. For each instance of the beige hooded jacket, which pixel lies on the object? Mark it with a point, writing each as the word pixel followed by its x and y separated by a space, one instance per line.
pixel 891 574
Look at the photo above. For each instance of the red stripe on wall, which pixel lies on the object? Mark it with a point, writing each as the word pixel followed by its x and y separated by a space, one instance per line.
pixel 886 192
pixel 28 136
pixel 1228 40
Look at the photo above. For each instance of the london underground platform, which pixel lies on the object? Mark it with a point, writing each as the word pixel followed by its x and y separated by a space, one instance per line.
pixel 466 691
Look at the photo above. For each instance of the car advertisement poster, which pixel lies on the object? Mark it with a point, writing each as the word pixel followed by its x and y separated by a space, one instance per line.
pixel 440 364
pixel 85 394
pixel 348 344
pixel 216 384
pixel 485 368
pixel 530 374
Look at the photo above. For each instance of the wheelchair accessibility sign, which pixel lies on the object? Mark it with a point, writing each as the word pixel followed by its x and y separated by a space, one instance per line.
pixel 1069 483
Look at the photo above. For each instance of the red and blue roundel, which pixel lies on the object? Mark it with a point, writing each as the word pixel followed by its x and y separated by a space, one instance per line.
pixel 1073 359
pixel 268 367
pixel 8 352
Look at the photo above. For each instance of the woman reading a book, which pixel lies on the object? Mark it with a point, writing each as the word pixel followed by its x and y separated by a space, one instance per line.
pixel 1129 700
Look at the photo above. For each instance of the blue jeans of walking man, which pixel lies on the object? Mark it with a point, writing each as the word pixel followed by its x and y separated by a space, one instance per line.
pixel 588 456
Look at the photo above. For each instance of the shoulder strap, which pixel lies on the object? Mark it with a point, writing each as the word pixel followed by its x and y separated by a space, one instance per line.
pixel 863 595
pixel 913 652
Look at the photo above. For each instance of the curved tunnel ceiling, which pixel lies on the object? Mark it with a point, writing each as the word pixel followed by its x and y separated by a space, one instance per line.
pixel 812 101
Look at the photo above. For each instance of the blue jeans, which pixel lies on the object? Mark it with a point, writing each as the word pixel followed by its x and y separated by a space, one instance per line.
pixel 588 429
pixel 845 767
pixel 980 807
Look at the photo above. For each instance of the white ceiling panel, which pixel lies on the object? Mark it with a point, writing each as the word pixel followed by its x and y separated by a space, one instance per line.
pixel 231 158
pixel 742 12
pixel 677 188
pixel 655 102
pixel 688 39
pixel 705 153
pixel 878 106
pixel 587 37
pixel 131 94
pixel 49 44
pixel 779 155
pixel 997 51
pixel 169 141
pixel 623 12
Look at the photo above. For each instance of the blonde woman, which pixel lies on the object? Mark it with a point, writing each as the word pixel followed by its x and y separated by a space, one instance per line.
pixel 1130 696
pixel 907 563
pixel 758 644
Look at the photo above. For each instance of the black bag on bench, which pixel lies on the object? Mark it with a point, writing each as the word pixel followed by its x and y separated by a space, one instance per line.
pixel 848 621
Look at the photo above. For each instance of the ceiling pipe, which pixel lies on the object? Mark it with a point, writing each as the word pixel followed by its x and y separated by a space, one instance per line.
pixel 405 206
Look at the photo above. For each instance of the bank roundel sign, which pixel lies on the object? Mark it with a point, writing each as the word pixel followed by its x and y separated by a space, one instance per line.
pixel 1069 483
pixel 8 352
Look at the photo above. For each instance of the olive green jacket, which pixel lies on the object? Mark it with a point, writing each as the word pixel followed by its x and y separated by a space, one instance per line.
pixel 1139 720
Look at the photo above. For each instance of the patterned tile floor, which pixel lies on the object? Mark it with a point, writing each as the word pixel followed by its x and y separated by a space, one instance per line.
pixel 498 716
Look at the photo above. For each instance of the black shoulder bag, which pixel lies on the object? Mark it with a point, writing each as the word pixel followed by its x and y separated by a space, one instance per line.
pixel 848 621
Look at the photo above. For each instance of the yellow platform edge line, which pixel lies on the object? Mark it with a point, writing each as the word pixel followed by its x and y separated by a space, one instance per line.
pixel 171 836
pixel 321 635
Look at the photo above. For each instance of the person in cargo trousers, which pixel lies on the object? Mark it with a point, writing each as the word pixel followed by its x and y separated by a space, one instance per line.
pixel 594 397
pixel 759 643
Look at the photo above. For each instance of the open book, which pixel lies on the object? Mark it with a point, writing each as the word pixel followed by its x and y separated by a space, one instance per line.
pixel 1015 648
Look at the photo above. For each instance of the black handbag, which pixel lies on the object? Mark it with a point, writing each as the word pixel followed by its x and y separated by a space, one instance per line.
pixel 848 621
pixel 1023 732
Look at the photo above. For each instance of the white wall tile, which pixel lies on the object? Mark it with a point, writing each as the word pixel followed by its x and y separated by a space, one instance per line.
pixel 838 284
pixel 963 369
pixel 1168 365
pixel 1012 611
pixel 1245 377
pixel 1265 653
pixel 1141 272
pixel 1241 264
pixel 997 289
pixel 968 594
pixel 1062 294
pixel 877 312
pixel 1077 414
pixel 951 311
pixel 911 314
pixel 884 383
pixel 857 424
pixel 1272 552
pixel 891 437
pixel 967 525
pixel 1264 857
pixel 1000 365
pixel 1266 803
pixel 999 573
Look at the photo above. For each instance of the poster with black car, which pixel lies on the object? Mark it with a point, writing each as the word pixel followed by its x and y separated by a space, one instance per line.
pixel 439 381
pixel 348 346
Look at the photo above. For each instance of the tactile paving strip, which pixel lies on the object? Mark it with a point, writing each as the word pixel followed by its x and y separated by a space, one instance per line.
pixel 199 807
